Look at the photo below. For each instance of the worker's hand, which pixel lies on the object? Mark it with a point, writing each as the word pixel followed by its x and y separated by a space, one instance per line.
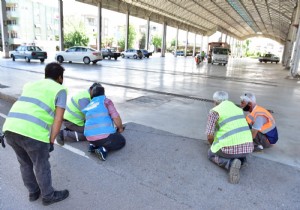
pixel 120 130
pixel 51 147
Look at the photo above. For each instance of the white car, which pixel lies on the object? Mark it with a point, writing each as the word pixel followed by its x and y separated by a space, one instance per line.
pixel 79 54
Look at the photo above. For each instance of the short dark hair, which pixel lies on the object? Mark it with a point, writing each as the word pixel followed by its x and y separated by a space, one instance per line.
pixel 98 91
pixel 54 70
pixel 95 84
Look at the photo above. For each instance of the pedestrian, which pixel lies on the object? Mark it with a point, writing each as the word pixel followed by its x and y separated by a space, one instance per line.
pixel 74 118
pixel 229 136
pixel 261 122
pixel 103 125
pixel 30 129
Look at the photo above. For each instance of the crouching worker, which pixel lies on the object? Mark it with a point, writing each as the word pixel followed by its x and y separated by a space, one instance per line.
pixel 229 136
pixel 103 125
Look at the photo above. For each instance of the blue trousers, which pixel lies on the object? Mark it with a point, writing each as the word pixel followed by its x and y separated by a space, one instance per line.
pixel 33 156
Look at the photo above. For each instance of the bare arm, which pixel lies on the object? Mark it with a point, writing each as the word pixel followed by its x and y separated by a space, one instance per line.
pixel 58 119
pixel 210 139
pixel 254 133
pixel 118 123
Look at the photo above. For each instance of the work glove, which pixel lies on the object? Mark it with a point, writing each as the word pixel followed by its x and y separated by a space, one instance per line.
pixel 51 147
pixel 2 140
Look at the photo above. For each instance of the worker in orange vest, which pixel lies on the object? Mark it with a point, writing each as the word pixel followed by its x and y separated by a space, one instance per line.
pixel 261 123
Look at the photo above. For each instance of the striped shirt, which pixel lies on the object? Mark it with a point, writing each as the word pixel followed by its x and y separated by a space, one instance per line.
pixel 211 128
pixel 113 114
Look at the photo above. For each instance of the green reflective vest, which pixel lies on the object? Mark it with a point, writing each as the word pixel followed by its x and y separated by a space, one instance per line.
pixel 32 115
pixel 73 113
pixel 232 126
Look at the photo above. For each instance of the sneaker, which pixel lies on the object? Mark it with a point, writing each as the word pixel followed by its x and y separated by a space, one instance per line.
pixel 234 171
pixel 60 138
pixel 91 148
pixel 258 148
pixel 101 153
pixel 34 196
pixel 57 196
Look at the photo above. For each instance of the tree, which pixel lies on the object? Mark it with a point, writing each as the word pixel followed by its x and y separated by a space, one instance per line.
pixel 246 47
pixel 108 41
pixel 76 38
pixel 142 42
pixel 131 37
pixel 173 42
pixel 156 41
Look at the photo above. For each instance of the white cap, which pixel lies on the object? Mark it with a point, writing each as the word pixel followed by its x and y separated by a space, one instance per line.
pixel 248 97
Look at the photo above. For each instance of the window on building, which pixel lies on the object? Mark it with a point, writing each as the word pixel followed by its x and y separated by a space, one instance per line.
pixel 13 34
pixel 91 21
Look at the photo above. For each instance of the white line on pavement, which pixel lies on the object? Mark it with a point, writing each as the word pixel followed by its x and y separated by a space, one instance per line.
pixel 67 147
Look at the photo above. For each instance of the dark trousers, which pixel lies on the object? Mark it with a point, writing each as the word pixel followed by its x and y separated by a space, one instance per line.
pixel 33 156
pixel 73 132
pixel 114 141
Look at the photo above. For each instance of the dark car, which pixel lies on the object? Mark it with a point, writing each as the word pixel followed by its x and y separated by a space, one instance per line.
pixel 110 53
pixel 269 58
pixel 146 53
pixel 28 52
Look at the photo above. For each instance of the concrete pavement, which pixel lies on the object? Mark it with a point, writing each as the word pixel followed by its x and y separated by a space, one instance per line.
pixel 165 161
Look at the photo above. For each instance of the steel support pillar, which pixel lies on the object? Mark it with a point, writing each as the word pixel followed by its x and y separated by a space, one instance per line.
pixel 4 30
pixel 148 34
pixel 127 30
pixel 61 25
pixel 99 35
pixel 186 43
pixel 176 42
pixel 164 40
pixel 296 56
pixel 194 47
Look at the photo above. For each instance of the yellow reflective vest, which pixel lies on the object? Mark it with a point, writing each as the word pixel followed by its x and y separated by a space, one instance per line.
pixel 232 127
pixel 32 115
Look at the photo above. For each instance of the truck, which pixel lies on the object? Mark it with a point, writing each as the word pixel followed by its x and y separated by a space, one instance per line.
pixel 218 52
pixel 269 58
pixel 110 53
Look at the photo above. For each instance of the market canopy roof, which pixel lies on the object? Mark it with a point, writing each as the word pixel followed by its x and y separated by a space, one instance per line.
pixel 240 19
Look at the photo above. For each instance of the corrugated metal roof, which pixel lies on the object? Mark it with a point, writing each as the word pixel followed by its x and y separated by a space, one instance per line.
pixel 237 18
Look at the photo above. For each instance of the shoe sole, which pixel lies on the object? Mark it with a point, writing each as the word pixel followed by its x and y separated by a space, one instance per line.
pixel 234 171
pixel 100 155
pixel 47 203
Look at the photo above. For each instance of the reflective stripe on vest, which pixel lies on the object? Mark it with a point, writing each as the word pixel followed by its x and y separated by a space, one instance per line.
pixel 73 112
pixel 232 127
pixel 32 115
pixel 260 111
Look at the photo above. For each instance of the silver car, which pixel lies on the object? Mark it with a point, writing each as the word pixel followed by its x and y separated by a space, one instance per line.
pixel 132 53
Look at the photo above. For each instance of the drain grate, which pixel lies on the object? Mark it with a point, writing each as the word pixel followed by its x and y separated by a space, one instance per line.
pixel 3 86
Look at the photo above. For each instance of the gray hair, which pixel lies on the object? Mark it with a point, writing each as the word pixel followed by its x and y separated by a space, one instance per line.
pixel 248 97
pixel 220 96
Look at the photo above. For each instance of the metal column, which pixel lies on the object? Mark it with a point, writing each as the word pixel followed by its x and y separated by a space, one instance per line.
pixel 4 30
pixel 164 40
pixel 127 30
pixel 61 25
pixel 99 35
pixel 194 47
pixel 176 42
pixel 148 34
pixel 296 56
pixel 186 43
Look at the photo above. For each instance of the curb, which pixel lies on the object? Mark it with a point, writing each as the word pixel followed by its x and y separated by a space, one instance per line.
pixel 8 98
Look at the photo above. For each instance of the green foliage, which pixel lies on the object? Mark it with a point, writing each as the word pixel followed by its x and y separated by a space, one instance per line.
pixel 142 42
pixel 131 37
pixel 173 42
pixel 107 42
pixel 156 41
pixel 76 38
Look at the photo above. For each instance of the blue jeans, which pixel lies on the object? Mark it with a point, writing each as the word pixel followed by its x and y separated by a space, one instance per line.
pixel 32 154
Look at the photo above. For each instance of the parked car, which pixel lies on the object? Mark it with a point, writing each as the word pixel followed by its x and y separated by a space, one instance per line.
pixel 269 58
pixel 146 53
pixel 110 53
pixel 79 54
pixel 178 53
pixel 132 53
pixel 28 52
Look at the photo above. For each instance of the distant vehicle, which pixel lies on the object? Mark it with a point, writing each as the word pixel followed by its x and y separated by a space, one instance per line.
pixel 220 55
pixel 146 53
pixel 28 52
pixel 132 53
pixel 269 58
pixel 178 53
pixel 110 53
pixel 79 54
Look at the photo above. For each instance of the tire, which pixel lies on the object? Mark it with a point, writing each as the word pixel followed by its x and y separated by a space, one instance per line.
pixel 123 56
pixel 42 60
pixel 116 58
pixel 60 59
pixel 134 56
pixel 265 61
pixel 271 61
pixel 13 58
pixel 147 56
pixel 276 62
pixel 109 57
pixel 86 60
pixel 27 59
pixel 94 62
pixel 260 61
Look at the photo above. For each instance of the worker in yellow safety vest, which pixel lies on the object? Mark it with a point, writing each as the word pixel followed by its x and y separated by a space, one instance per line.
pixel 229 136
pixel 30 129
pixel 261 122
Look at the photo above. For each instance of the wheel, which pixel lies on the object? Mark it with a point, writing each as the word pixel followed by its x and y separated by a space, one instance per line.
pixel 276 62
pixel 260 61
pixel 271 61
pixel 116 58
pixel 42 60
pixel 94 62
pixel 147 56
pixel 123 56
pixel 224 64
pixel 13 58
pixel 109 57
pixel 265 61
pixel 86 60
pixel 27 59
pixel 134 56
pixel 60 59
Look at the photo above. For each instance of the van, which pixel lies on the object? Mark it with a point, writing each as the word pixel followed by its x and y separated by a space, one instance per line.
pixel 220 55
